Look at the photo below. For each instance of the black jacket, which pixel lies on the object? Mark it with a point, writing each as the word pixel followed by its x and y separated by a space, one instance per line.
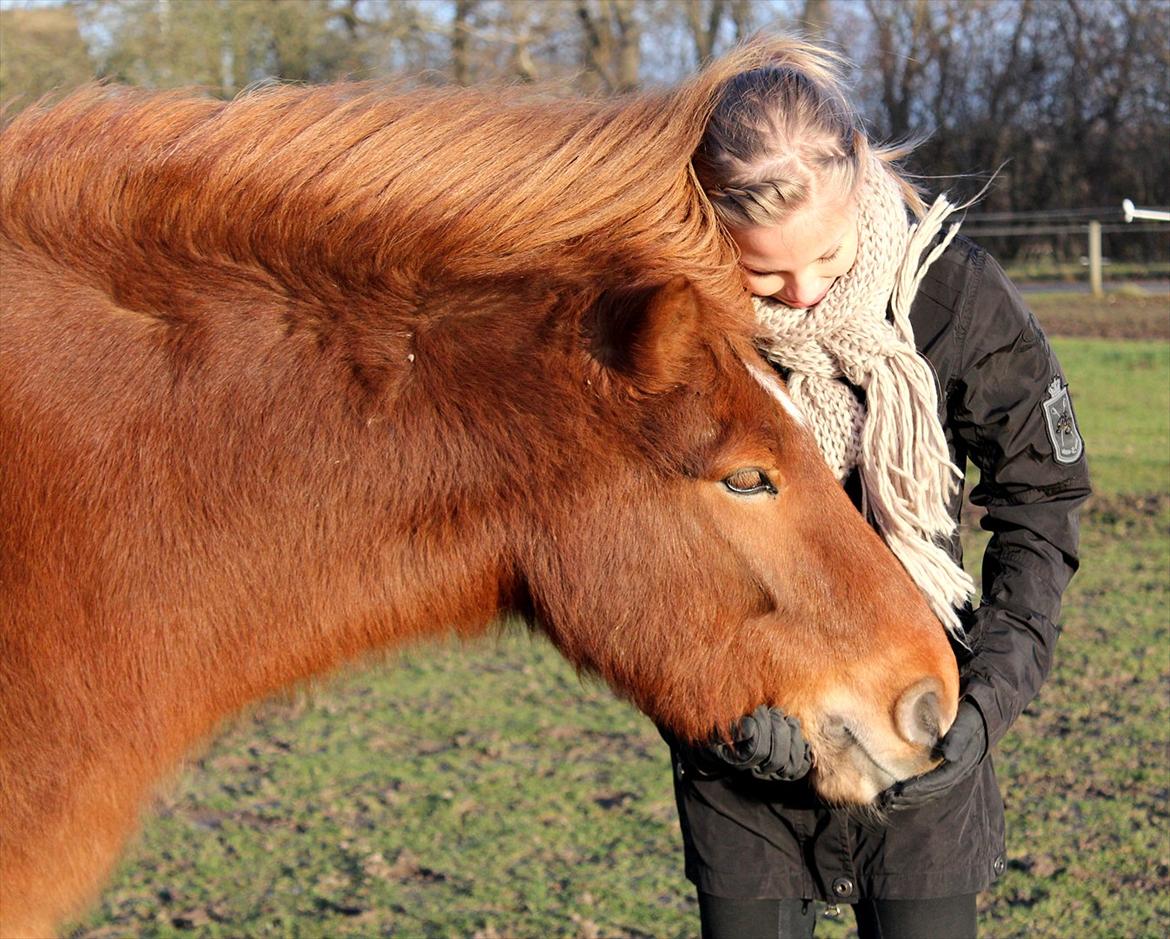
pixel 1005 408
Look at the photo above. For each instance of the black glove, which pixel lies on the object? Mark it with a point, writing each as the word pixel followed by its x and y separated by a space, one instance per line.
pixel 767 743
pixel 962 749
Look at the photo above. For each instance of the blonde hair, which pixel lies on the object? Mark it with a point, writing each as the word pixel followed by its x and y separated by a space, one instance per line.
pixel 783 131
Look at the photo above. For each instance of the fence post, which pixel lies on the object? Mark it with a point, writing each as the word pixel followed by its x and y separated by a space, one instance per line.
pixel 1095 259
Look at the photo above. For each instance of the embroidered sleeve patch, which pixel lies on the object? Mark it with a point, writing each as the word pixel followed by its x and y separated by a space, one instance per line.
pixel 1067 444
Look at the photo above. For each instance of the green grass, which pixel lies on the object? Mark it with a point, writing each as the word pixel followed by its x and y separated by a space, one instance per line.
pixel 1084 772
pixel 1121 395
pixel 465 790
pixel 488 792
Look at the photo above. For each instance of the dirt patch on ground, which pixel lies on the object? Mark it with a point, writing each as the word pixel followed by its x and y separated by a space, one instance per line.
pixel 1114 316
pixel 1129 513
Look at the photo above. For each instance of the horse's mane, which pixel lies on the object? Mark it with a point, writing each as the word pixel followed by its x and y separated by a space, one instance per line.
pixel 352 188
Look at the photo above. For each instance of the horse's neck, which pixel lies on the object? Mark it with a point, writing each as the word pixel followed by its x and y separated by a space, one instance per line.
pixel 256 514
pixel 308 601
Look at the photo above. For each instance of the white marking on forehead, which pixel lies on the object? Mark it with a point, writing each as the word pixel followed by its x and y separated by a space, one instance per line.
pixel 773 386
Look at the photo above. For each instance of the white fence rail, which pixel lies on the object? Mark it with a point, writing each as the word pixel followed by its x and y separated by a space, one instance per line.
pixel 1132 211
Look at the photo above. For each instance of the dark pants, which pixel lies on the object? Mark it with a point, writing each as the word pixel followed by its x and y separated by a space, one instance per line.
pixel 943 918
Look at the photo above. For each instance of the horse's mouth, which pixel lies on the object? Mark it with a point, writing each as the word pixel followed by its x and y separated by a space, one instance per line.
pixel 858 747
pixel 849 774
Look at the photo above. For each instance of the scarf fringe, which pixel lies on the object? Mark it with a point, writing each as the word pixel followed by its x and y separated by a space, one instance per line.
pixel 906 471
pixel 945 585
pixel 906 467
pixel 910 274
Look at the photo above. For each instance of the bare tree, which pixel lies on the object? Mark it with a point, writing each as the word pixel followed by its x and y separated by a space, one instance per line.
pixel 460 33
pixel 705 18
pixel 611 37
pixel 815 17
pixel 41 51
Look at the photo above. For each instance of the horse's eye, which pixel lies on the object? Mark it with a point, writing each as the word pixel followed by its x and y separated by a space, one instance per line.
pixel 746 482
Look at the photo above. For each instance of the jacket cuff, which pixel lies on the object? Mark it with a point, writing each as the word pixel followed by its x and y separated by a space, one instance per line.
pixel 986 730
pixel 996 719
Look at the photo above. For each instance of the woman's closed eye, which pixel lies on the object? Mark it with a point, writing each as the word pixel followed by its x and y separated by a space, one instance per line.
pixel 823 259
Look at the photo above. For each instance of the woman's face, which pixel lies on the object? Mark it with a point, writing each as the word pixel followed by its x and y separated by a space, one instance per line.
pixel 797 261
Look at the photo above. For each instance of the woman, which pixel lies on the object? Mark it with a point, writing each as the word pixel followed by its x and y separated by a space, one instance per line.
pixel 910 353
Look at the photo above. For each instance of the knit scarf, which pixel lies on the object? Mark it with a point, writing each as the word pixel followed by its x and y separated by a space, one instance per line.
pixel 861 332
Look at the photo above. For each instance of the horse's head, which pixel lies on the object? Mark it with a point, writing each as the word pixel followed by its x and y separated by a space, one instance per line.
pixel 698 554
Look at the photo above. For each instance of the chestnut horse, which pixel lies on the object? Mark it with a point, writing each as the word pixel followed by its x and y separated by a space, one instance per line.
pixel 320 371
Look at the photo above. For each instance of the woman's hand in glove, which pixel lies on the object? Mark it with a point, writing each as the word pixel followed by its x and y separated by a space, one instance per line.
pixel 962 749
pixel 766 743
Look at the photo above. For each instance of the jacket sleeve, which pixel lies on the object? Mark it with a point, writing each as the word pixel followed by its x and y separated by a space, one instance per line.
pixel 1017 424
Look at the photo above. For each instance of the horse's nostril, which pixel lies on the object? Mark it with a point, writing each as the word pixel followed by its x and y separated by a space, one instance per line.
pixel 926 714
pixel 917 713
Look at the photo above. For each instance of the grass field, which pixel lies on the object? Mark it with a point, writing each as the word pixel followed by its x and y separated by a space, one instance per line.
pixel 488 792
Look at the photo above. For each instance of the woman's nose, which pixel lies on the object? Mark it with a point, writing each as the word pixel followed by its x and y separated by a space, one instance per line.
pixel 803 291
